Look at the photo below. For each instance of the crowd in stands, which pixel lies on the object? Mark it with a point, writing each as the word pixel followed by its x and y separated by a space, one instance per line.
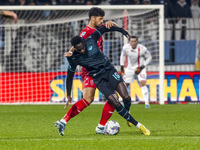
pixel 173 8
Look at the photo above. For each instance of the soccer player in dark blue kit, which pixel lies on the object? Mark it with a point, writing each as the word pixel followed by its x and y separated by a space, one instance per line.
pixel 105 76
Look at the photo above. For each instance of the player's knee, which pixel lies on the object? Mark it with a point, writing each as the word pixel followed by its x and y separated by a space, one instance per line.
pixel 127 98
pixel 116 104
pixel 88 94
pixel 89 98
pixel 113 100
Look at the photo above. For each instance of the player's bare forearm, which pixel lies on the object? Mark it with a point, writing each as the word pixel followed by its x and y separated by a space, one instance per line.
pixel 10 14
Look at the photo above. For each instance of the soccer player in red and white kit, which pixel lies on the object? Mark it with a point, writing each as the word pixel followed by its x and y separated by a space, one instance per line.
pixel 138 58
pixel 96 16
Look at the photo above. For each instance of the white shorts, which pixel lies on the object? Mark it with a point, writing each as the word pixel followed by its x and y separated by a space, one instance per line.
pixel 130 75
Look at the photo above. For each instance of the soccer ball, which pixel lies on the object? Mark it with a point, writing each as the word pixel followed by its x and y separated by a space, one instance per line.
pixel 112 127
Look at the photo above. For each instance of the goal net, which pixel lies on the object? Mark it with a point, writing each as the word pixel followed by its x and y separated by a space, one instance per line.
pixel 32 64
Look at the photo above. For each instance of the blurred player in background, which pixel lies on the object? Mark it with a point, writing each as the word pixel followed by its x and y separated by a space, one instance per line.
pixel 105 76
pixel 96 16
pixel 138 58
pixel 9 14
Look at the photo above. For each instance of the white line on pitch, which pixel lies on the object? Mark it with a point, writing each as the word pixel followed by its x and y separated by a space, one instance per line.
pixel 105 139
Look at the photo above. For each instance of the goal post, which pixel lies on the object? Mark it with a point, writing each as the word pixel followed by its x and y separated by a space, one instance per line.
pixel 33 68
pixel 161 55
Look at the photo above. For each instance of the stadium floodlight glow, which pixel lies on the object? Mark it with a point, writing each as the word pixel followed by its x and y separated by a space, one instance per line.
pixel 32 66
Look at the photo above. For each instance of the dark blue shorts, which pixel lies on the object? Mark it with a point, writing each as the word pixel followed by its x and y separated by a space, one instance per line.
pixel 107 82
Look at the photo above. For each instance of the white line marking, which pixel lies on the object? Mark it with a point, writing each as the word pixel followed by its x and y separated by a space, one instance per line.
pixel 106 139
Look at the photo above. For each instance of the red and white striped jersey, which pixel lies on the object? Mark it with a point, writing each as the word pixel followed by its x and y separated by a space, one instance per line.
pixel 136 57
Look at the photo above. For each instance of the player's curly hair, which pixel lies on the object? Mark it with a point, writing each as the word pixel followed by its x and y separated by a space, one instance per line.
pixel 76 40
pixel 96 11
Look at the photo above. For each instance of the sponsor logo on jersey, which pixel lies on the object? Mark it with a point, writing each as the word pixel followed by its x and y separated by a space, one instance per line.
pixel 82 34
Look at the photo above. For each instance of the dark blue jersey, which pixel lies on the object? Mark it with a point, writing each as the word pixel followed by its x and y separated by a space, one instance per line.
pixel 93 60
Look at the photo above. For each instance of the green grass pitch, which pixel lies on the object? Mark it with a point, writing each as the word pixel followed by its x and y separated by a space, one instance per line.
pixel 31 127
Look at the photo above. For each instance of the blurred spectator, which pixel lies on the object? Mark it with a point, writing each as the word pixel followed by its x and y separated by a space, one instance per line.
pixel 104 2
pixel 89 2
pixel 136 2
pixel 195 9
pixel 169 11
pixel 11 2
pixel 116 2
pixel 68 2
pixel 126 2
pixel 146 2
pixel 55 2
pixel 158 1
pixel 96 2
pixel 47 13
pixel 80 2
pixel 23 2
pixel 182 9
pixel 32 3
pixel 43 2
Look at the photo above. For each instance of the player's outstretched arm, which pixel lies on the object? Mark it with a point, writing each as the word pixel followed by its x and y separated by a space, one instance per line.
pixel 69 80
pixel 96 35
pixel 122 60
pixel 102 30
pixel 10 14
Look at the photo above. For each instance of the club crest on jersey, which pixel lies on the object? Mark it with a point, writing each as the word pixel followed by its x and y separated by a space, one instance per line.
pixel 90 48
pixel 82 34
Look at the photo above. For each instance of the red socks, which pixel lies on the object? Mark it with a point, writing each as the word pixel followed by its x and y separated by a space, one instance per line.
pixel 107 112
pixel 76 109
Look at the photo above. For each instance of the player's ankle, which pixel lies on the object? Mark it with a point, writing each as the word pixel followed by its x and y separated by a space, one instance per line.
pixel 100 125
pixel 63 120
pixel 138 125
